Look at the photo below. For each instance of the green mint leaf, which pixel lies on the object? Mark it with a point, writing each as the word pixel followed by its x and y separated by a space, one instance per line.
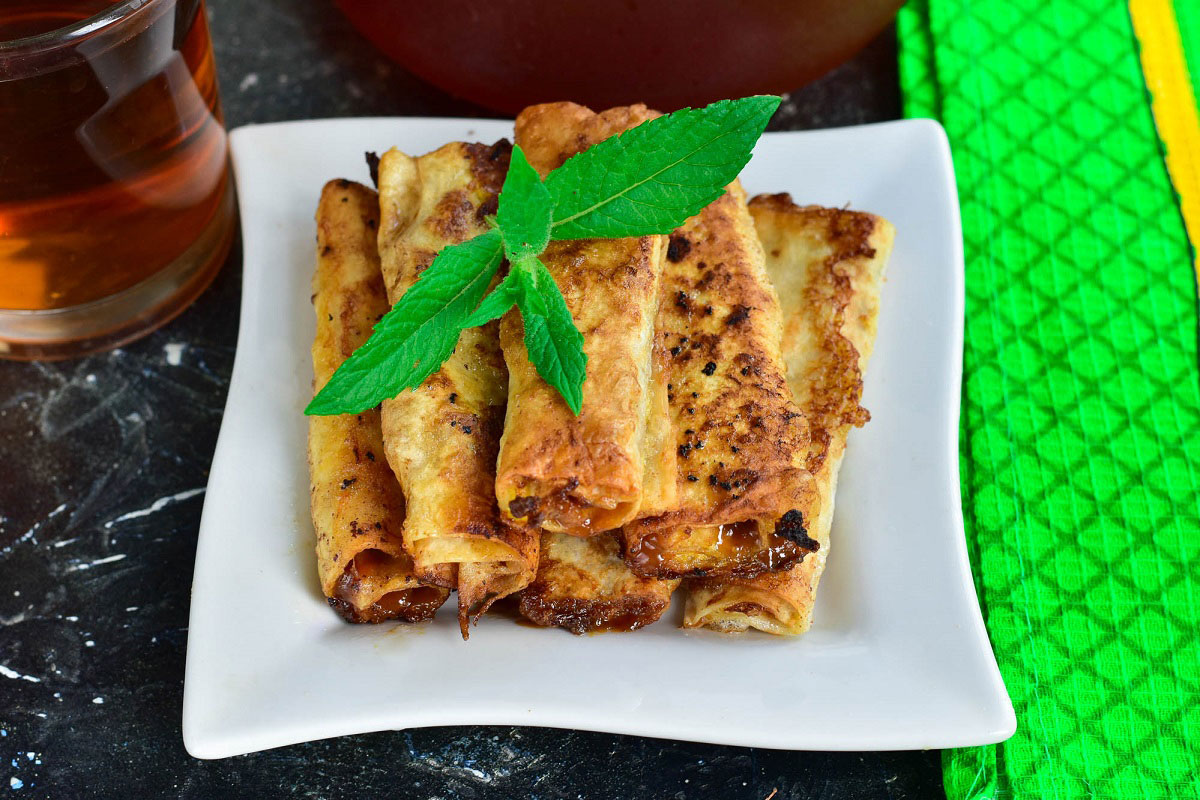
pixel 525 209
pixel 650 179
pixel 554 344
pixel 412 340
pixel 494 306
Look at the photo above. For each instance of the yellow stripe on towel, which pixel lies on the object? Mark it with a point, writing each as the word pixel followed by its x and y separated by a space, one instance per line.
pixel 1174 106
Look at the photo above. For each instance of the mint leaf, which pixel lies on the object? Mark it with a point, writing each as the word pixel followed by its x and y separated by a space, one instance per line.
pixel 412 340
pixel 497 303
pixel 554 344
pixel 525 208
pixel 651 178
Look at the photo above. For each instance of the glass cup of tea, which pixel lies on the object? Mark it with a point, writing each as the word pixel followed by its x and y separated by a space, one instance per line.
pixel 116 207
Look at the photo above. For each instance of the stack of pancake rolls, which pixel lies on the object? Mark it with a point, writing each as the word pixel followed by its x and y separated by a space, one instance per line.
pixel 724 372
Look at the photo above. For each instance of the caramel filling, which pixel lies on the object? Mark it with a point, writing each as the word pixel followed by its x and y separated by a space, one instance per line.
pixel 737 548
pixel 363 576
pixel 567 512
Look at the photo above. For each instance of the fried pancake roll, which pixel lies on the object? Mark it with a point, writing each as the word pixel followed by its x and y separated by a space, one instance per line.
pixel 740 440
pixel 357 506
pixel 586 474
pixel 583 585
pixel 827 265
pixel 442 438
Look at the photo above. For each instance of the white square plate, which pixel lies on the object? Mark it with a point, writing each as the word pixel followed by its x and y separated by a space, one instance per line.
pixel 897 657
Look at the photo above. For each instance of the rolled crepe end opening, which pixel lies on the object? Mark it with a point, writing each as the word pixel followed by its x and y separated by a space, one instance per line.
pixel 560 508
pixel 738 608
pixel 367 573
pixel 364 592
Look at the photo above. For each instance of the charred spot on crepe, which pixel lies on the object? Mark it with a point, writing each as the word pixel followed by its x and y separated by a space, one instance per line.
pixel 489 163
pixel 678 247
pixel 453 218
pixel 791 527
pixel 739 315
pixel 521 507
pixel 422 259
pixel 372 159
pixel 487 208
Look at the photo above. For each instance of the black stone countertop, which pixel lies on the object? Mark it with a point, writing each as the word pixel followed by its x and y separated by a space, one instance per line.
pixel 103 464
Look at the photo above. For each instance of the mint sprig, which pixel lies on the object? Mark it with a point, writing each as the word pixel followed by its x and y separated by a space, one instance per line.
pixel 651 178
pixel 648 180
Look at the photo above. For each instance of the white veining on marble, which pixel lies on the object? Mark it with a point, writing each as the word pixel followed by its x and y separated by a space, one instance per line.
pixel 31 534
pixel 20 616
pixel 157 505
pixel 14 675
pixel 173 353
pixel 96 563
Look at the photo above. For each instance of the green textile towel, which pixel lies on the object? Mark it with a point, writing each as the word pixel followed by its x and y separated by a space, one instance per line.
pixel 1187 13
pixel 1080 438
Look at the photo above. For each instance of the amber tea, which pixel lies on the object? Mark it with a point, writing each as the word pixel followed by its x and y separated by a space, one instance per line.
pixel 112 169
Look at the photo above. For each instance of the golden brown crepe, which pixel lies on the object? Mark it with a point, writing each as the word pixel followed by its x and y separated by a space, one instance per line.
pixel 740 440
pixel 583 585
pixel 827 266
pixel 586 474
pixel 442 438
pixel 357 506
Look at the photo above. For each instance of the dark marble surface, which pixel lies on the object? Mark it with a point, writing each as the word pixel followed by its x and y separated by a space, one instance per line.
pixel 103 463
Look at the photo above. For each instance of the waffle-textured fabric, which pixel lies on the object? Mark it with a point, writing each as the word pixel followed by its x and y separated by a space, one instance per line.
pixel 1080 439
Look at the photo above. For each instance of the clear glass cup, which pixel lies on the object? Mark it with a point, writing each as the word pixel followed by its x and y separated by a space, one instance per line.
pixel 116 206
